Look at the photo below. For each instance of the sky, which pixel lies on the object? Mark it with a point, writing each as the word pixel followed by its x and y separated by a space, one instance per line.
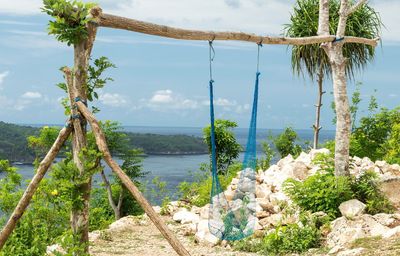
pixel 164 82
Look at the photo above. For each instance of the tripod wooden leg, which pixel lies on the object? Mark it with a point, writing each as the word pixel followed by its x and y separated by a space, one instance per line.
pixel 155 218
pixel 33 185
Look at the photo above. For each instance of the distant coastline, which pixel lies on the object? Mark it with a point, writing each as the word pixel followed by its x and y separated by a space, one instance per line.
pixel 14 146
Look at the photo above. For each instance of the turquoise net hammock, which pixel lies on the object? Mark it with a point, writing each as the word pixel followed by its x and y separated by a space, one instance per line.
pixel 236 219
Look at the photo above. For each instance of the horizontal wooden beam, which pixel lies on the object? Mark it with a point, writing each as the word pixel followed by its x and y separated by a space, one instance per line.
pixel 117 22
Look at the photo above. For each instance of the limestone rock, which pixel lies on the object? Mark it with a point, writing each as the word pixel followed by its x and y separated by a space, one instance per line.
pixel 247 185
pixel 344 231
pixel 204 211
pixel 184 216
pixel 94 236
pixel 314 152
pixel 203 234
pixel 157 209
pixel 55 249
pixel 304 158
pixel 388 220
pixel 266 204
pixel 300 170
pixel 124 224
pixel 277 198
pixel 351 208
pixel 263 191
pixel 285 161
pixel 392 232
pixel 188 229
pixel 390 187
pixel 229 194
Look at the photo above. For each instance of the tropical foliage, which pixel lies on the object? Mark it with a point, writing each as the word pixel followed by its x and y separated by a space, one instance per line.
pixel 364 22
pixel 227 148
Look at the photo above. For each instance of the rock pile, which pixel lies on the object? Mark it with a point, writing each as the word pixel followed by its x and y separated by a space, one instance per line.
pixel 270 201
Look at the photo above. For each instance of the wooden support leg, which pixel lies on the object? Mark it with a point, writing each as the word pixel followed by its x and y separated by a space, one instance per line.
pixel 33 185
pixel 102 145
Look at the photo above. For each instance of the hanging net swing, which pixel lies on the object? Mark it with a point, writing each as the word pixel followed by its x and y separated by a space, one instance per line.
pixel 236 219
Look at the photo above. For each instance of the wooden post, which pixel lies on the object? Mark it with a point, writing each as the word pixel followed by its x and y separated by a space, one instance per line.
pixel 77 88
pixel 102 145
pixel 316 126
pixel 33 185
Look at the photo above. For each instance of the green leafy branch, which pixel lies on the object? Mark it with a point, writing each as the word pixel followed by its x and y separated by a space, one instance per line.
pixel 70 21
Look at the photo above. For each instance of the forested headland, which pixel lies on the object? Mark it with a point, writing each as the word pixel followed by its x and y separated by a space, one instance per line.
pixel 14 145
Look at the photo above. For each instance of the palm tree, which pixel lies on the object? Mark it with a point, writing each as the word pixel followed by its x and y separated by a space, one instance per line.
pixel 312 59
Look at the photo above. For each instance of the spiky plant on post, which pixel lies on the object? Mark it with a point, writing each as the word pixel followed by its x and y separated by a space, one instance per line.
pixel 311 59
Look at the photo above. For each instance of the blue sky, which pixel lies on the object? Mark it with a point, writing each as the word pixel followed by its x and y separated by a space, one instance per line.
pixel 163 82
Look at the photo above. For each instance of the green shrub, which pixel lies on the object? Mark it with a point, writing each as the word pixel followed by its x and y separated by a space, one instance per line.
pixel 198 193
pixel 227 148
pixel 392 146
pixel 293 238
pixel 365 189
pixel 325 192
pixel 265 162
pixel 249 244
pixel 285 143
pixel 320 192
pixel 370 139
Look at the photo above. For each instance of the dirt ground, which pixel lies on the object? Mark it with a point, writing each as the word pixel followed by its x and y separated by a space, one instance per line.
pixel 144 239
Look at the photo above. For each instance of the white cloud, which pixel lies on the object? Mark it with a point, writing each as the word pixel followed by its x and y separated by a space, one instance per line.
pixel 393 95
pixel 164 100
pixel 224 102
pixel 113 99
pixel 3 75
pixel 20 7
pixel 31 95
pixel 240 109
pixel 162 96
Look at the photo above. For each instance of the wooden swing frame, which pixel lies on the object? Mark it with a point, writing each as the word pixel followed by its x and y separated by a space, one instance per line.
pixel 77 95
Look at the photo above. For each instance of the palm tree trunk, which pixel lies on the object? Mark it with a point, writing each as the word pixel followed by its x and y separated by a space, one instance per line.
pixel 318 106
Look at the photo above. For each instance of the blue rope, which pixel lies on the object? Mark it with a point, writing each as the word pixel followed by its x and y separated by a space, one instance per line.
pixel 251 147
pixel 337 39
pixel 79 99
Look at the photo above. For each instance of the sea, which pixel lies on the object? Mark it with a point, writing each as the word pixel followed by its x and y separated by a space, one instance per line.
pixel 174 169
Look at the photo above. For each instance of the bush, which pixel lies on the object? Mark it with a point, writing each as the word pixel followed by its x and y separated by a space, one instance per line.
pixel 248 245
pixel 265 162
pixel 227 148
pixel 198 193
pixel 366 190
pixel 285 143
pixel 325 192
pixel 393 146
pixel 320 192
pixel 291 238
pixel 371 138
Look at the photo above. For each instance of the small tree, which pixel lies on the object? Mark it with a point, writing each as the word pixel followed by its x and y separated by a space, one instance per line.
pixel 312 60
pixel 227 148
pixel 285 143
